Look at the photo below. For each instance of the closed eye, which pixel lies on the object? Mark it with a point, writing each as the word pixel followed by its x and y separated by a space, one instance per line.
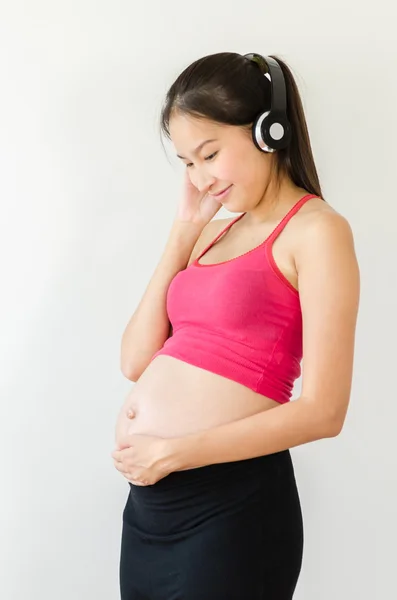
pixel 210 157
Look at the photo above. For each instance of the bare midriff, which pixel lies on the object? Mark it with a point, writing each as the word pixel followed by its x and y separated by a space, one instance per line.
pixel 173 398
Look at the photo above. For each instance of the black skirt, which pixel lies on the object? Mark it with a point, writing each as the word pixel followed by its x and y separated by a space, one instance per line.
pixel 228 531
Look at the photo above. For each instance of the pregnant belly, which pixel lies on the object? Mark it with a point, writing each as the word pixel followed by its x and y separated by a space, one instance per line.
pixel 173 398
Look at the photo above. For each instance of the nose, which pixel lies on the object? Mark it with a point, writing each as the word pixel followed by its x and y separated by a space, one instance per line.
pixel 203 181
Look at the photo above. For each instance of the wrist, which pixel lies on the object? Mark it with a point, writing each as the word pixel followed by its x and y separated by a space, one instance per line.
pixel 177 453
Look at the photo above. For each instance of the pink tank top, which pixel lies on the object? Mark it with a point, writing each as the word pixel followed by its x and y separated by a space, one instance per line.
pixel 240 318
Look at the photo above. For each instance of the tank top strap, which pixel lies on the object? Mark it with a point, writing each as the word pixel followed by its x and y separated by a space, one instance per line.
pixel 219 235
pixel 276 232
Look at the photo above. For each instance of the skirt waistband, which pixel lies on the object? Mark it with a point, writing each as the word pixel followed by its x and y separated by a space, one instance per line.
pixel 212 475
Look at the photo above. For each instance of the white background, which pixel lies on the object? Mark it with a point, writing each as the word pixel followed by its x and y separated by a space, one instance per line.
pixel 88 196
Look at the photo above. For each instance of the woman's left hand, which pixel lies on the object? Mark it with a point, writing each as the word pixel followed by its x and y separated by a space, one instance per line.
pixel 144 461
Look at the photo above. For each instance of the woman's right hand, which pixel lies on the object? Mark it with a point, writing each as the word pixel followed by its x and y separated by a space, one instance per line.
pixel 195 206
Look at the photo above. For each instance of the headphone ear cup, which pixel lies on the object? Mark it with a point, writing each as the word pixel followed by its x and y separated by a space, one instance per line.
pixel 259 133
pixel 271 131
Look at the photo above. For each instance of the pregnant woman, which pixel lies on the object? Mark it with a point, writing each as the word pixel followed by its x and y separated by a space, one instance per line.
pixel 216 344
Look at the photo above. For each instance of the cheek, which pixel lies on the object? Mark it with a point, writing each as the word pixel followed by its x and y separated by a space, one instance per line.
pixel 229 172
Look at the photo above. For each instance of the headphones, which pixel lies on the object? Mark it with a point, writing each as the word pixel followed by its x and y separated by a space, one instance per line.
pixel 271 130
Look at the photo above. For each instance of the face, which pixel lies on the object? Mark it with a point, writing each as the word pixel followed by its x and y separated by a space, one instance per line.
pixel 231 159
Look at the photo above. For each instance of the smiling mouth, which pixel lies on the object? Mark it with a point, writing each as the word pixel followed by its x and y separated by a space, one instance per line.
pixel 220 193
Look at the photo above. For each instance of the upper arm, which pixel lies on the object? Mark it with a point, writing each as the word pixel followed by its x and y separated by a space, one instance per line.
pixel 329 289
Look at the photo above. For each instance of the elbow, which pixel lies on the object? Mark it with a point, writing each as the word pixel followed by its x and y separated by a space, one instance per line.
pixel 129 372
pixel 326 423
pixel 134 371
pixel 338 417
pixel 129 375
pixel 333 425
pixel 333 429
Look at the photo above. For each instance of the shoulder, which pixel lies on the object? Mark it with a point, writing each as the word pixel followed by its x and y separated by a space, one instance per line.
pixel 209 232
pixel 316 210
pixel 321 228
pixel 326 263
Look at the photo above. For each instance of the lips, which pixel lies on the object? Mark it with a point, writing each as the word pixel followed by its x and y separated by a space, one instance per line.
pixel 221 192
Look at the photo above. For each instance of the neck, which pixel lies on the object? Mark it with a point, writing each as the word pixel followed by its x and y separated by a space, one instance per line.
pixel 277 199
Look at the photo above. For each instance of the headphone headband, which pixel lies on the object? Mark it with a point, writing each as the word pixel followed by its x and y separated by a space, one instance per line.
pixel 271 130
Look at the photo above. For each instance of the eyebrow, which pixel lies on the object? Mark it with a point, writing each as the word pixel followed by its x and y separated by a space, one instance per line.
pixel 199 147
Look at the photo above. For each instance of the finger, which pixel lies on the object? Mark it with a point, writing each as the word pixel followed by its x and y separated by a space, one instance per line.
pixel 120 467
pixel 119 455
pixel 138 476
pixel 135 482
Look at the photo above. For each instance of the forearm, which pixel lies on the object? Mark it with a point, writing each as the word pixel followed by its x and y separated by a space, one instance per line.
pixel 267 432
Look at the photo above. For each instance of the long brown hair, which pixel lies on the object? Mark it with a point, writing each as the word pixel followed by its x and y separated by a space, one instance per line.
pixel 228 88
